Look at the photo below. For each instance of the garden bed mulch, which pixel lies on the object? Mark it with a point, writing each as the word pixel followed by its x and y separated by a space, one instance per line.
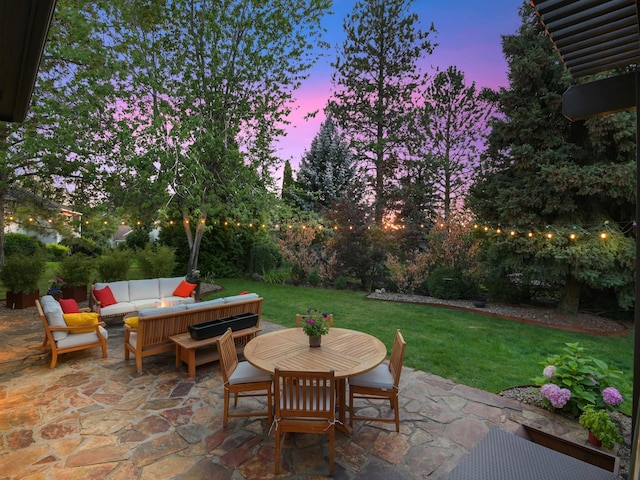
pixel 579 322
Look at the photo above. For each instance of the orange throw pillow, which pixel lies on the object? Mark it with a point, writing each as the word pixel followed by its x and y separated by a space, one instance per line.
pixel 105 296
pixel 184 289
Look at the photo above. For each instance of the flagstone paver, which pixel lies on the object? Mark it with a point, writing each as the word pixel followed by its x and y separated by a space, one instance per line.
pixel 98 418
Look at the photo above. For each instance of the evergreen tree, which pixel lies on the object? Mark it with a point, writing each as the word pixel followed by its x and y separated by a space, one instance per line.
pixel 553 184
pixel 377 79
pixel 451 123
pixel 328 169
pixel 288 183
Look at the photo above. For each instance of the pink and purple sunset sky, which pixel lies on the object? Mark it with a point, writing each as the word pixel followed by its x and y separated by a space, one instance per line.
pixel 468 37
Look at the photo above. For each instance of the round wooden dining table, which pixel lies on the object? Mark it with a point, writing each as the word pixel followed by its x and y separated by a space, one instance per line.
pixel 346 352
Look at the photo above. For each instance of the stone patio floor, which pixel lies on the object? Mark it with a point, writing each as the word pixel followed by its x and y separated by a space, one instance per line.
pixel 94 418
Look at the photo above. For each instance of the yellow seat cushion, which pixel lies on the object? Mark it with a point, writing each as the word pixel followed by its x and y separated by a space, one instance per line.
pixel 132 322
pixel 78 319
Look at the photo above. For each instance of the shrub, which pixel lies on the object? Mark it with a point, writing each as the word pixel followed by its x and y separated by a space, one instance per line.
pixel 77 269
pixel 21 273
pixel 314 277
pixel 82 245
pixel 264 256
pixel 156 261
pixel 573 381
pixel 447 284
pixel 341 283
pixel 20 243
pixel 56 252
pixel 114 266
pixel 137 238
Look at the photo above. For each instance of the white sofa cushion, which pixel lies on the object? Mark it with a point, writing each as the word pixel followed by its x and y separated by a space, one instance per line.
pixel 117 309
pixel 54 315
pixel 120 290
pixel 143 289
pixel 168 286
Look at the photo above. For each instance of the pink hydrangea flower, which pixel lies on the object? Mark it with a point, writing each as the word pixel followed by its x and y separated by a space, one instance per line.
pixel 549 371
pixel 611 396
pixel 556 395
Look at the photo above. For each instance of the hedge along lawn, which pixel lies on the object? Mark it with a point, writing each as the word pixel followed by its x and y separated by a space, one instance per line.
pixel 480 351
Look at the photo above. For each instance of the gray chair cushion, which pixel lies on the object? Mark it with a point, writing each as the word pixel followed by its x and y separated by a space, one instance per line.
pixel 247 373
pixel 53 313
pixel 380 377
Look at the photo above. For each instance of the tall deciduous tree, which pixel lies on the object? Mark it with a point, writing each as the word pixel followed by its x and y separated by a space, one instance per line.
pixel 327 169
pixel 377 79
pixel 210 85
pixel 452 122
pixel 57 144
pixel 552 183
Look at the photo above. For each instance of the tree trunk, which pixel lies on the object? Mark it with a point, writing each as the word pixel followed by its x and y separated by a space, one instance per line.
pixel 194 240
pixel 570 299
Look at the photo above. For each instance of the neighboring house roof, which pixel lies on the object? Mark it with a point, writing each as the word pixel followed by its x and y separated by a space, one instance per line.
pixel 121 234
pixel 24 25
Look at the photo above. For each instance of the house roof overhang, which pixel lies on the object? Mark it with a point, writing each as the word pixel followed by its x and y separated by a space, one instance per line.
pixel 592 36
pixel 24 25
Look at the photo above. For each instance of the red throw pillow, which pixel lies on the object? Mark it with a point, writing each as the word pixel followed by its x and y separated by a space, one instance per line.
pixel 105 296
pixel 69 305
pixel 244 293
pixel 184 289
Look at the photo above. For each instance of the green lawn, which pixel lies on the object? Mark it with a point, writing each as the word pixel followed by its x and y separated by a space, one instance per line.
pixel 473 349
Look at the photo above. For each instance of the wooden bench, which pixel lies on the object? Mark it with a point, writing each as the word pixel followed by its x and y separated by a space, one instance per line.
pixel 154 332
pixel 200 352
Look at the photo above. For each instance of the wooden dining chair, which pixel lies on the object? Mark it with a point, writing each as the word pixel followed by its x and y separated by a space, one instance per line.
pixel 304 403
pixel 241 379
pixel 300 318
pixel 380 383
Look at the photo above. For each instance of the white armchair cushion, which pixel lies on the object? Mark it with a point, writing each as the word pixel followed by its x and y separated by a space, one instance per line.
pixel 81 338
pixel 380 378
pixel 247 373
pixel 143 289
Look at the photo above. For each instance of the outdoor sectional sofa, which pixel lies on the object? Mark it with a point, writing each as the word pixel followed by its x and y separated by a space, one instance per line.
pixel 134 295
pixel 157 325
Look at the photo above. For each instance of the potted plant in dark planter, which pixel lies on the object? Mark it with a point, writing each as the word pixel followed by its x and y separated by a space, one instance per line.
pixel 55 288
pixel 77 270
pixel 20 276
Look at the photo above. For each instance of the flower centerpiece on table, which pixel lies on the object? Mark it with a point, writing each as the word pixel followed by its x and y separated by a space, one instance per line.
pixel 580 385
pixel 315 324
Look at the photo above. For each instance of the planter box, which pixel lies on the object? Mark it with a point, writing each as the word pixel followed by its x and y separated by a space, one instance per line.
pixel 213 328
pixel 77 292
pixel 22 300
pixel 585 453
